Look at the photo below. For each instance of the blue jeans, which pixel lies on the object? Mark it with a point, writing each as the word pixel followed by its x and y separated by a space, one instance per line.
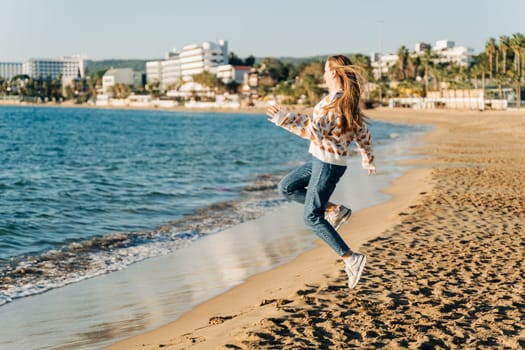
pixel 312 184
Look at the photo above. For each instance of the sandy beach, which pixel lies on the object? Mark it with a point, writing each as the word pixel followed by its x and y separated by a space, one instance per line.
pixel 445 259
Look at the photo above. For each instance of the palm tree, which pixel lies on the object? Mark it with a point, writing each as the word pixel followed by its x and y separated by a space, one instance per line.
pixel 209 80
pixel 439 72
pixel 3 86
pixel 363 62
pixel 504 46
pixel 402 62
pixel 394 73
pixel 517 44
pixel 490 50
pixel 426 62
pixel 500 80
pixel 514 80
pixel 479 69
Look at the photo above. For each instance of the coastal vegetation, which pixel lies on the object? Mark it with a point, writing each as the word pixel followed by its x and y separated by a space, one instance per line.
pixel 498 71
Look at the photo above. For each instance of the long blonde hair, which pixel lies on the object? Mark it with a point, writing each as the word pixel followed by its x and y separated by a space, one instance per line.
pixel 351 79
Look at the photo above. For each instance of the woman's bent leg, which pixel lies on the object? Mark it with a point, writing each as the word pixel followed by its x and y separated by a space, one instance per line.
pixel 323 180
pixel 293 185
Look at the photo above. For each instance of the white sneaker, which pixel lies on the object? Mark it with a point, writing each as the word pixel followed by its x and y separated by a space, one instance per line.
pixel 354 267
pixel 338 216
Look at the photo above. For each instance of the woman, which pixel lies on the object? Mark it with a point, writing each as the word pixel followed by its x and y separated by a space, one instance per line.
pixel 336 122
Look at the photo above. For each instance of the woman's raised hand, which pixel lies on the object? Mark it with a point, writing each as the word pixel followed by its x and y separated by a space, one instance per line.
pixel 272 110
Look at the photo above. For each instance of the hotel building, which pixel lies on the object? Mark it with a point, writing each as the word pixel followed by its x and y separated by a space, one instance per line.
pixel 67 67
pixel 119 76
pixel 447 51
pixel 228 73
pixel 182 65
pixel 171 73
pixel 9 70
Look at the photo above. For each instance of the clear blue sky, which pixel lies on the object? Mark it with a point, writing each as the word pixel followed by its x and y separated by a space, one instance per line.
pixel 148 28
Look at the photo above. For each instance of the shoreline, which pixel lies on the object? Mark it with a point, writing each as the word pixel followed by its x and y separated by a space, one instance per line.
pixel 238 308
pixel 241 110
pixel 252 314
pixel 245 298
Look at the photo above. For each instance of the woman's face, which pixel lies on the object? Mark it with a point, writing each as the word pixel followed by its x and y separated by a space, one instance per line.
pixel 327 73
pixel 329 77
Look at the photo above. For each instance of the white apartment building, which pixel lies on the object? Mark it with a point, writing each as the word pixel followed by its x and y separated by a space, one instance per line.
pixel 171 73
pixel 8 70
pixel 228 73
pixel 443 45
pixel 182 65
pixel 381 63
pixel 118 76
pixel 67 67
pixel 195 59
pixel 154 71
pixel 449 52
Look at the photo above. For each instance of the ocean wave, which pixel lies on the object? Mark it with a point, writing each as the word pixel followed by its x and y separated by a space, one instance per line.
pixel 80 260
pixel 394 135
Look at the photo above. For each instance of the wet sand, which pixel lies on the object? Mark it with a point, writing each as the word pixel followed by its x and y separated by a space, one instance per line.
pixel 445 259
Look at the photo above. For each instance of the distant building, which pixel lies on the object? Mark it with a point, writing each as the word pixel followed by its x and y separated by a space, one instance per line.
pixel 381 63
pixel 447 51
pixel 171 73
pixel 444 44
pixel 180 66
pixel 119 76
pixel 8 70
pixel 195 59
pixel 67 67
pixel 154 71
pixel 460 55
pixel 228 73
pixel 421 47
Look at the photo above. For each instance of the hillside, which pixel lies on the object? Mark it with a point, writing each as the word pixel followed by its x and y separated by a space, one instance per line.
pixel 135 64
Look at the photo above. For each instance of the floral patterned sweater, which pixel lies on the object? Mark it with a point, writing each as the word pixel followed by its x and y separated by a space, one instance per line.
pixel 328 143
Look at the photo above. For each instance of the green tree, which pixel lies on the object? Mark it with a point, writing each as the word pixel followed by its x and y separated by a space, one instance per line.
pixel 287 91
pixel 56 88
pixel 501 79
pixel 439 72
pixel 235 60
pixel 402 62
pixel 410 86
pixel 490 51
pixel 515 81
pixel 504 47
pixel 153 87
pixel 249 61
pixel 309 82
pixel 232 87
pixel 4 84
pixel 363 62
pixel 425 62
pixel 517 44
pixel 476 71
pixel 120 90
pixel 209 80
pixel 275 69
pixel 69 92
